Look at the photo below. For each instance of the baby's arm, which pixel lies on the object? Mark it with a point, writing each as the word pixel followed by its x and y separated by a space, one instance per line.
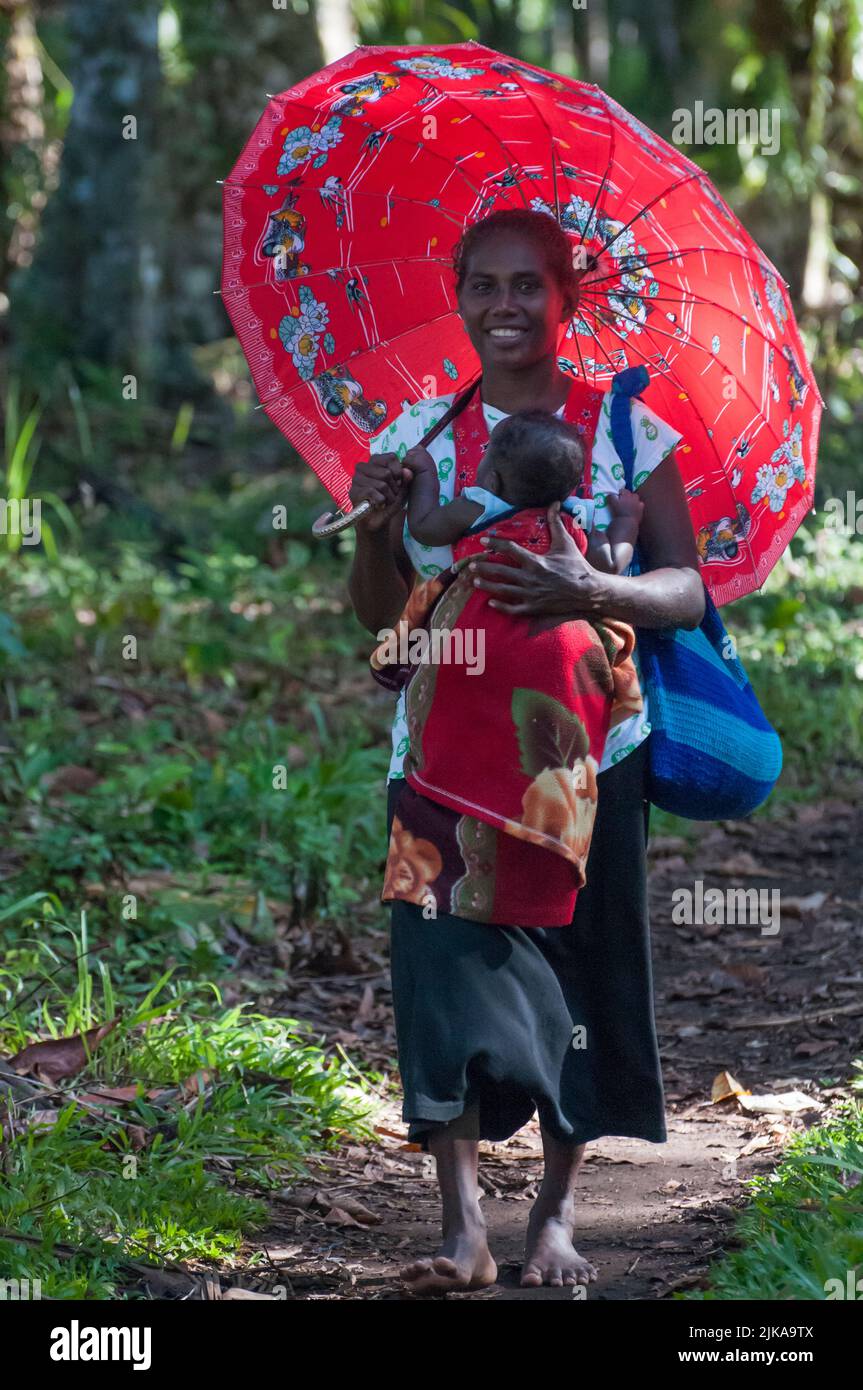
pixel 612 550
pixel 429 522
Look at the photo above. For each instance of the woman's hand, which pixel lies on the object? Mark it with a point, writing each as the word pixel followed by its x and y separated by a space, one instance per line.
pixel 560 581
pixel 383 481
pixel 419 460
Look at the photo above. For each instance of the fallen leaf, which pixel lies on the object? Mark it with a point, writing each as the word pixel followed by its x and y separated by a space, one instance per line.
pixel 741 863
pixel 62 1057
pixel 799 907
pixel 812 1048
pixel 70 779
pixel 45 1119
pixel 112 1095
pixel 337 1216
pixel 139 1136
pixel 725 1088
pixel 367 1003
pixel 761 1141
pixel 196 1084
pixel 747 973
pixel 215 722
pixel 667 844
pixel 356 1209
pixel 166 1283
pixel 676 864
pixel 789 1103
pixel 236 1294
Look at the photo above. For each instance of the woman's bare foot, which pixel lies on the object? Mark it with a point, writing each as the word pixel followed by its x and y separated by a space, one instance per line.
pixel 464 1261
pixel 550 1256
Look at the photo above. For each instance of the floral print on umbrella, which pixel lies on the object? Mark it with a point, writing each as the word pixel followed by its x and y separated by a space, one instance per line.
pixel 430 66
pixel 301 332
pixel 772 484
pixel 304 141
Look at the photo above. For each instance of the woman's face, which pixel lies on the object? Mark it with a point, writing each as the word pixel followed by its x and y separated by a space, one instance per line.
pixel 511 305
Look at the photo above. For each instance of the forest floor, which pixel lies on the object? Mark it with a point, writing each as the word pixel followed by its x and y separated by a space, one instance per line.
pixel 780 1012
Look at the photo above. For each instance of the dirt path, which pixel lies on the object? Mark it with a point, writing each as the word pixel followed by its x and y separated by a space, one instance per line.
pixel 780 1012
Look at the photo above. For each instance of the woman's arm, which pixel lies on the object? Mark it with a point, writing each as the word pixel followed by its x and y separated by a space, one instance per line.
pixel 562 581
pixel 381 575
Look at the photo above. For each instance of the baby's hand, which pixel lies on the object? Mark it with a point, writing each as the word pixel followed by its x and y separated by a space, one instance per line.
pixel 626 504
pixel 419 460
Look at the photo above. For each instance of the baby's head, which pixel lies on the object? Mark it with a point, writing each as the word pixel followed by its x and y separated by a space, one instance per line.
pixel 533 458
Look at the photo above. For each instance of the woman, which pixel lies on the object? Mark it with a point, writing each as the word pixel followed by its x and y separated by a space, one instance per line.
pixel 494 1021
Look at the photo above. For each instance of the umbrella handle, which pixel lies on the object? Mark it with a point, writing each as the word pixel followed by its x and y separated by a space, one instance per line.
pixel 328 523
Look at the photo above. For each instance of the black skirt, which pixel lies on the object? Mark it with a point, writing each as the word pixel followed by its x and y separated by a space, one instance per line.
pixel 553 1019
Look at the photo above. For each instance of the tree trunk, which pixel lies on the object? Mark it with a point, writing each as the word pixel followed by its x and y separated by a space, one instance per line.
pixel 81 296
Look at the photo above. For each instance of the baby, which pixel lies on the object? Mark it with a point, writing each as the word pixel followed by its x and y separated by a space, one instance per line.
pixel 533 459
pixel 509 752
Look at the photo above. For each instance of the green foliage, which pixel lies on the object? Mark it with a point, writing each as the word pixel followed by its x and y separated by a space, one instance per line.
pixel 21 445
pixel 801 641
pixel 804 1225
pixel 279 772
pixel 214 1092
pixel 234 765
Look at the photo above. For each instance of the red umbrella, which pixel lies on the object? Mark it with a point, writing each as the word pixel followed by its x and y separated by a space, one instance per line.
pixel 339 221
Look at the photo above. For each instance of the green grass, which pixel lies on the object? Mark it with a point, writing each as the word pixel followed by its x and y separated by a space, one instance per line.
pixel 804 1226
pixel 208 676
pixel 228 1104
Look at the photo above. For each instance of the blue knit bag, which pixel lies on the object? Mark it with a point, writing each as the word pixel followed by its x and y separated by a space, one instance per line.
pixel 713 754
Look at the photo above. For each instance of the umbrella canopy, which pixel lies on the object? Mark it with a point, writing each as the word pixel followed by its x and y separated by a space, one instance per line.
pixel 339 221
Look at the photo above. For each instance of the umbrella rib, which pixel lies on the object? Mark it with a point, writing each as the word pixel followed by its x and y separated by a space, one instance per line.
pixel 681 386
pixel 646 263
pixel 580 358
pixel 516 76
pixel 712 443
pixel 352 356
pixel 316 274
pixel 451 96
pixel 353 193
pixel 599 344
pixel 608 167
pixel 701 348
pixel 380 130
pixel 696 299
pixel 647 206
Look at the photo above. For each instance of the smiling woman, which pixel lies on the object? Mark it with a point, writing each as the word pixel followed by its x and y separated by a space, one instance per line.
pixel 514 293
pixel 487 1012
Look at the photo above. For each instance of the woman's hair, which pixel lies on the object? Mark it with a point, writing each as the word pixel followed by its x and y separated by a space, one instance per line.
pixel 539 457
pixel 539 228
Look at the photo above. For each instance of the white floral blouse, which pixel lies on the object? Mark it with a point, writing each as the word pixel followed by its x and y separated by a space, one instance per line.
pixel 654 440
